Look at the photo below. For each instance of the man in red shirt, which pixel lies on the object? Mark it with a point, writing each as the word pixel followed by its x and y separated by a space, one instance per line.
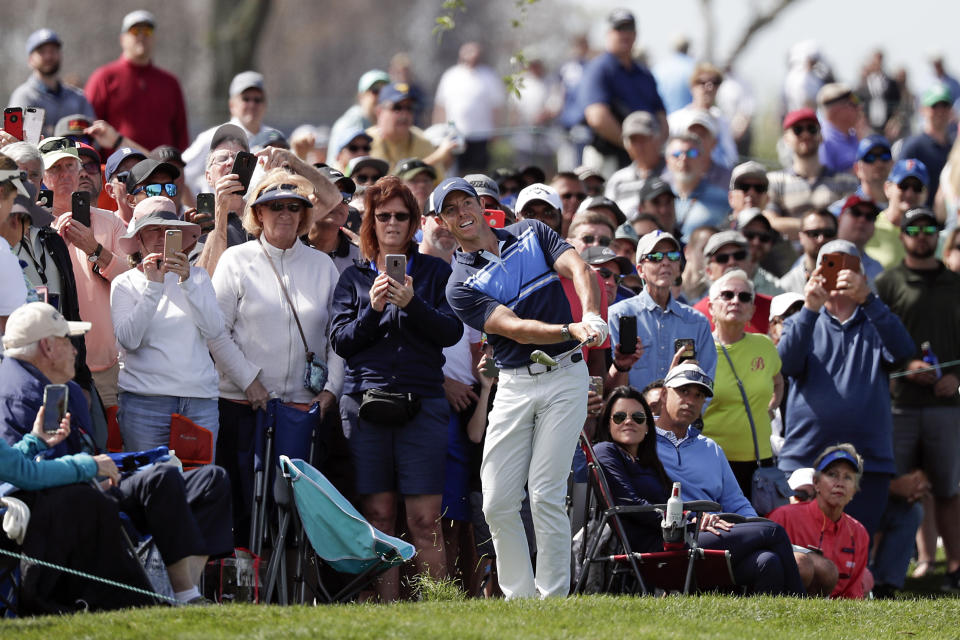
pixel 141 101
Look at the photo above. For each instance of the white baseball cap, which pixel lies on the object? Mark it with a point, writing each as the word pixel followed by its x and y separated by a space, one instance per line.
pixel 37 320
pixel 537 191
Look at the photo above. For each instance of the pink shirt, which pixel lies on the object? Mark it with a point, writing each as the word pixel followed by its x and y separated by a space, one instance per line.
pixel 93 289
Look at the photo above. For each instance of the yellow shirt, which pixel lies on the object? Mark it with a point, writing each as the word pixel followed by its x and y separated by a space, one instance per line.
pixel 416 146
pixel 885 246
pixel 756 361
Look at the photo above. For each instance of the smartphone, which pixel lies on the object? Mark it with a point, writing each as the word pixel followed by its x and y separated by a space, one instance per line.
pixel 43 293
pixel 55 398
pixel 489 368
pixel 596 385
pixel 32 124
pixel 397 267
pixel 495 218
pixel 689 347
pixel 80 207
pixel 833 263
pixel 45 198
pixel 206 207
pixel 243 166
pixel 13 121
pixel 628 334
pixel 172 243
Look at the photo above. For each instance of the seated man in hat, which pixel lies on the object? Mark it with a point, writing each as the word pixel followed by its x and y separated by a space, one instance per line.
pixel 395 137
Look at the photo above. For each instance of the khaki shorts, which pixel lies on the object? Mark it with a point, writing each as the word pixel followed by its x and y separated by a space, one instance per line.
pixel 106 382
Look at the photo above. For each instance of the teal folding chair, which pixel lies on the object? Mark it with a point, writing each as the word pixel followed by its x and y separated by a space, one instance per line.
pixel 340 537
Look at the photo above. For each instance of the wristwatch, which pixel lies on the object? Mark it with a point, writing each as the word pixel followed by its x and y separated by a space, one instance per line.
pixel 93 257
pixel 565 332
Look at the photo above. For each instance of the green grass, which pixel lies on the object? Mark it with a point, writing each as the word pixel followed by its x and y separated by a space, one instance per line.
pixel 584 617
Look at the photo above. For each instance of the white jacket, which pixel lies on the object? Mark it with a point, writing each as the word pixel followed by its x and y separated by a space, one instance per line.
pixel 261 340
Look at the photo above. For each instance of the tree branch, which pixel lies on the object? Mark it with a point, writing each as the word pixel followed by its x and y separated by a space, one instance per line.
pixel 760 21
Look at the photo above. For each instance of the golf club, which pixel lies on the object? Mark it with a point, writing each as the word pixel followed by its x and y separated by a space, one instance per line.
pixel 540 357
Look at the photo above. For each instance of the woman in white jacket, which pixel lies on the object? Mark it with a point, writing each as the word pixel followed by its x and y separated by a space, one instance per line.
pixel 163 312
pixel 261 354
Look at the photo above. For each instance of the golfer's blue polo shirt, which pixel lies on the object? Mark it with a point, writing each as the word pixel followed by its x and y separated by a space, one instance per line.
pixel 522 279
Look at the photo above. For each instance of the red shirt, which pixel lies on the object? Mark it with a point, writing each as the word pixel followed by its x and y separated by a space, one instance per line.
pixel 759 323
pixel 844 542
pixel 577 311
pixel 144 103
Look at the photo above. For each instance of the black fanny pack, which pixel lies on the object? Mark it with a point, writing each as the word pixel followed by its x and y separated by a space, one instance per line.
pixel 390 409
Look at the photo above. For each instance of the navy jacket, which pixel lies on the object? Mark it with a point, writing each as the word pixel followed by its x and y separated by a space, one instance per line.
pixel 399 350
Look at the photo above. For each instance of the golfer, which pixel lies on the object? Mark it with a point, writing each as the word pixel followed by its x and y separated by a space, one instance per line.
pixel 505 282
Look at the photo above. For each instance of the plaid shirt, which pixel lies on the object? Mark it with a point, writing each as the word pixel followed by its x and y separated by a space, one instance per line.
pixel 791 195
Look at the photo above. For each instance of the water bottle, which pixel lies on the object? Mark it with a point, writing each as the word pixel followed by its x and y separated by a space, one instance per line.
pixel 459 142
pixel 930 358
pixel 174 460
pixel 674 515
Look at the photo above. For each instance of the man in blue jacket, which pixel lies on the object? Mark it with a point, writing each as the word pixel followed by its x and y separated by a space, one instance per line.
pixel 836 352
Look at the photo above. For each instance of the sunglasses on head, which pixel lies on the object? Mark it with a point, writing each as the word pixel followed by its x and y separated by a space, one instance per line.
pixel 356 148
pixel 399 216
pixel 762 236
pixel 724 258
pixel 57 145
pixel 606 274
pixel 658 256
pixel 578 195
pixel 873 156
pixel 743 296
pixel 927 229
pixel 689 153
pixel 747 186
pixel 819 233
pixel 812 129
pixel 603 241
pixel 916 187
pixel 863 213
pixel 638 417
pixel 168 189
pixel 280 205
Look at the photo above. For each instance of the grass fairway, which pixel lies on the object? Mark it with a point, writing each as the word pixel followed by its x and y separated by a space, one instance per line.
pixel 585 617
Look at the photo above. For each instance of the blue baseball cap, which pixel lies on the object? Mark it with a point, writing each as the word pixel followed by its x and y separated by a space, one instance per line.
pixel 345 137
pixel 839 454
pixel 872 142
pixel 119 156
pixel 447 187
pixel 41 37
pixel 909 168
pixel 395 92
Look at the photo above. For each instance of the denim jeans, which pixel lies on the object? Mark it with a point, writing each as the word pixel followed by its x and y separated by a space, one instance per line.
pixel 145 420
pixel 899 527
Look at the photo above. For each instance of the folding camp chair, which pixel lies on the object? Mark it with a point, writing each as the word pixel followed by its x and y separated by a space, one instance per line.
pixel 682 566
pixel 339 536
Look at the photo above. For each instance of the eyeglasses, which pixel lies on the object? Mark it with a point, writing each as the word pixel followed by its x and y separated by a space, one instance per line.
pixel 916 187
pixel 812 129
pixel 928 229
pixel 537 211
pixel 742 296
pixel 357 148
pixel 346 197
pixel 708 82
pixel 658 256
pixel 578 195
pixel 863 213
pixel 253 99
pixel 603 241
pixel 399 106
pixel 364 178
pixel 762 236
pixel 637 416
pixel 689 153
pixel 883 156
pixel 141 30
pixel 747 186
pixel 279 205
pixel 57 144
pixel 606 274
pixel 169 189
pixel 724 258
pixel 819 233
pixel 399 216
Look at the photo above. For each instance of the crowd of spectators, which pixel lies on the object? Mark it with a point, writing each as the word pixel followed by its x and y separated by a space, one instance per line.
pixel 804 317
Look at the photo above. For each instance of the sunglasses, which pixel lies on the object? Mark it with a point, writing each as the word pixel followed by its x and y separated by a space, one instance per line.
pixel 638 417
pixel 168 189
pixel 743 296
pixel 812 129
pixel 399 106
pixel 819 233
pixel 871 157
pixel 603 241
pixel 579 196
pixel 762 236
pixel 658 256
pixel 57 145
pixel 364 178
pixel 606 274
pixel 253 99
pixel 705 82
pixel 399 216
pixel 91 167
pixel 356 148
pixel 928 229
pixel 862 213
pixel 748 186
pixel 689 153
pixel 724 258
pixel 916 187
pixel 141 30
pixel 121 177
pixel 346 197
pixel 278 205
